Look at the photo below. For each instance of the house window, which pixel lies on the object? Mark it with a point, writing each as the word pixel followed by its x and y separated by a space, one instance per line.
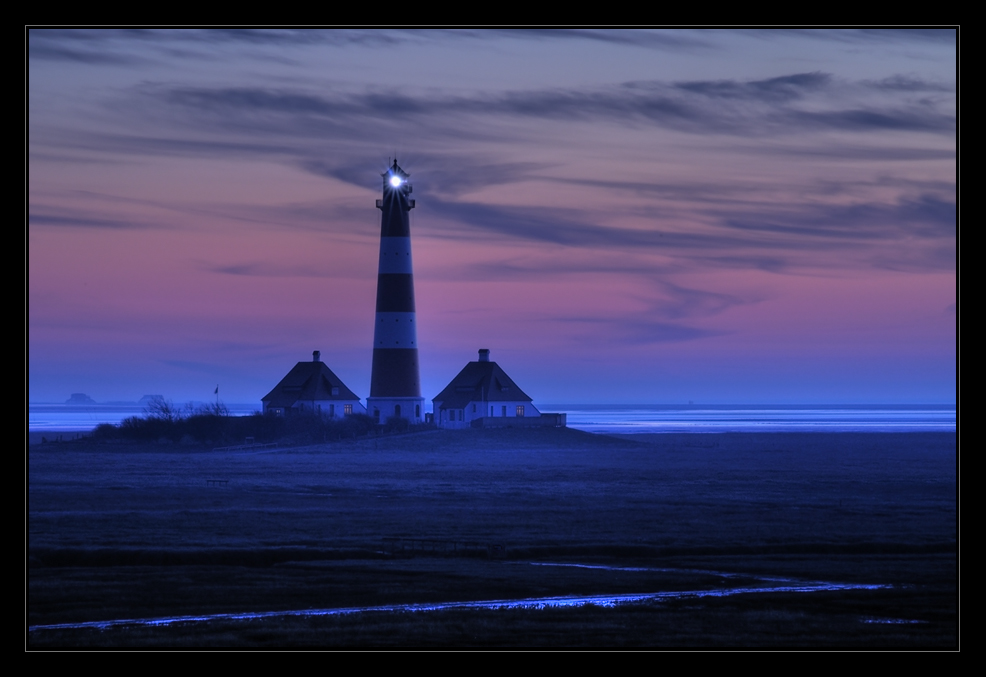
pixel 335 390
pixel 503 410
pixel 347 409
pixel 520 409
pixel 474 408
pixel 332 410
pixel 417 411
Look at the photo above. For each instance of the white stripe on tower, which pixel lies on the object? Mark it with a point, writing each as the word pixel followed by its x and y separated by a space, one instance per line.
pixel 394 330
pixel 395 255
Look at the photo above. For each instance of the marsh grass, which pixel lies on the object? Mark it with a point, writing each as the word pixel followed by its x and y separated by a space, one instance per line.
pixel 136 532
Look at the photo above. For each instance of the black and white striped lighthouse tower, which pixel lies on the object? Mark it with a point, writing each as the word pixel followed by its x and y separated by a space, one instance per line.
pixel 395 384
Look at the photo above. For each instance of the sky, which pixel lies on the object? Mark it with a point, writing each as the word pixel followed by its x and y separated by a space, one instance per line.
pixel 620 216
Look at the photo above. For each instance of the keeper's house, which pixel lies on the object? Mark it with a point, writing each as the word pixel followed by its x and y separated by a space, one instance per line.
pixel 483 396
pixel 312 387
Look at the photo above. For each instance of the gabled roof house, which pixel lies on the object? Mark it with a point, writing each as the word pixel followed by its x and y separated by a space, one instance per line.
pixel 482 390
pixel 311 386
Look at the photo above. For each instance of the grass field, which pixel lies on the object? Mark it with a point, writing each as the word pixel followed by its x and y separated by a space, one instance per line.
pixel 128 532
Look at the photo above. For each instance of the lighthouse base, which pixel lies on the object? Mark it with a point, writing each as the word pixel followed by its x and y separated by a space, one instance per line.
pixel 383 408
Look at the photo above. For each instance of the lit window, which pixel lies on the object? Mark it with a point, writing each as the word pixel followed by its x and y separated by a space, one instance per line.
pixel 520 409
pixel 347 409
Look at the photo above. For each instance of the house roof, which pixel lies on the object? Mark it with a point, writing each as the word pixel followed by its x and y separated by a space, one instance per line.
pixel 480 381
pixel 307 382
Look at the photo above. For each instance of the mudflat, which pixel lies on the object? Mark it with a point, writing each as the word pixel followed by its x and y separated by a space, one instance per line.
pixel 751 525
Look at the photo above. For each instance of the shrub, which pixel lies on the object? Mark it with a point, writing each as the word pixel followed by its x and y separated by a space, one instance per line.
pixel 213 425
pixel 164 410
pixel 105 431
pixel 397 425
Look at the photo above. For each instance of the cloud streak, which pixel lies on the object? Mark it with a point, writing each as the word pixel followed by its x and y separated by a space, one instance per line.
pixel 726 107
pixel 61 221
pixel 636 330
pixel 810 226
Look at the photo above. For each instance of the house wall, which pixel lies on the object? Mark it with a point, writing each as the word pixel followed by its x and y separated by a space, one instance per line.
pixel 462 418
pixel 337 408
pixel 333 408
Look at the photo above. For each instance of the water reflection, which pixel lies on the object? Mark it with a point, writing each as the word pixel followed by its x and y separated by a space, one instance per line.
pixel 529 603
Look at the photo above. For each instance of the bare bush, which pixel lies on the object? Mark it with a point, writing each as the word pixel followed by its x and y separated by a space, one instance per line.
pixel 163 410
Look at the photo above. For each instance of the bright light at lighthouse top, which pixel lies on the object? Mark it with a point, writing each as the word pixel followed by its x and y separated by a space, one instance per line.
pixel 396 197
pixel 396 178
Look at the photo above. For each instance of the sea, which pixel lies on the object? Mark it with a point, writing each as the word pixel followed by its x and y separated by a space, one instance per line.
pixel 613 418
pixel 629 419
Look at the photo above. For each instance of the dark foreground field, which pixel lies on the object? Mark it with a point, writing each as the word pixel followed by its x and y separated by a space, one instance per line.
pixel 751 525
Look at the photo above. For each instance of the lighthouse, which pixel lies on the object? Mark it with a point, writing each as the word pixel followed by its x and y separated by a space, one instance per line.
pixel 395 384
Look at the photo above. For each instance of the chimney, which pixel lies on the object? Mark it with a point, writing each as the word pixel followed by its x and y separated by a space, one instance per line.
pixel 316 355
pixel 484 355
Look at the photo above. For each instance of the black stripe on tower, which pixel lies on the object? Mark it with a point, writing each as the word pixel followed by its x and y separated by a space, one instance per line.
pixel 395 293
pixel 395 222
pixel 395 373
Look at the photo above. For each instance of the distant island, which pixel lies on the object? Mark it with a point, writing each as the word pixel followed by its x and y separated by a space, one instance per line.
pixel 80 399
